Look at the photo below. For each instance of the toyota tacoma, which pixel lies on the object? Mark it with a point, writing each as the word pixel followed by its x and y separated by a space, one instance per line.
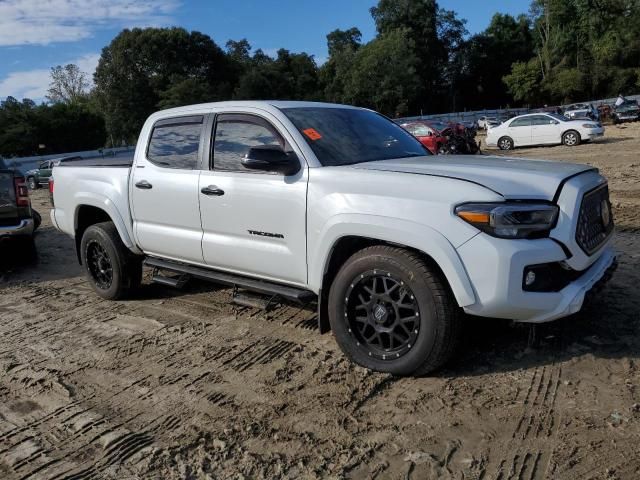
pixel 339 205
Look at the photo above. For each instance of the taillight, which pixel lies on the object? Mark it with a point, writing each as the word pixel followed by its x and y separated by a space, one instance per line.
pixel 22 192
pixel 51 191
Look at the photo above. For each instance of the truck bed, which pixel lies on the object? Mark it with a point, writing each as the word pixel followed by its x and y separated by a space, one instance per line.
pixel 124 162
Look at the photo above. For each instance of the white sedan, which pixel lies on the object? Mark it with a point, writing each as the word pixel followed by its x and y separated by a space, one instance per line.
pixel 543 129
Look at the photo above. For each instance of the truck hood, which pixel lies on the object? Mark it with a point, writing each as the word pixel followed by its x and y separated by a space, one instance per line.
pixel 513 178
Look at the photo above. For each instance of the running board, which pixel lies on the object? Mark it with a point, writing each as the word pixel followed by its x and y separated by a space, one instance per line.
pixel 290 293
pixel 175 282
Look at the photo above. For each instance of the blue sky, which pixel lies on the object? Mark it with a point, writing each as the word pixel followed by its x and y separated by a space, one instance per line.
pixel 38 34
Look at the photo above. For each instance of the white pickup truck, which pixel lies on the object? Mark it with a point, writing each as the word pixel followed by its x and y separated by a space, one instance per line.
pixel 336 204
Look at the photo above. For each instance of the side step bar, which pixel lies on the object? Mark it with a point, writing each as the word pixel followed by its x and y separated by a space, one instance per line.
pixel 290 293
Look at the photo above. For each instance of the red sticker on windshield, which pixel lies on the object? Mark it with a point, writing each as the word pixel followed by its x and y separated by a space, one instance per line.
pixel 312 134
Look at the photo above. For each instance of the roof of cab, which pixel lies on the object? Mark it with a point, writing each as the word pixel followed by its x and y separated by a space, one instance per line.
pixel 264 104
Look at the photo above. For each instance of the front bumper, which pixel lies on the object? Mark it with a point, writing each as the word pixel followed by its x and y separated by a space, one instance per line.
pixel 496 267
pixel 593 133
pixel 24 228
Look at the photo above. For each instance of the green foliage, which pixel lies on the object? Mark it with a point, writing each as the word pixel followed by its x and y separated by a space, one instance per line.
pixel 68 84
pixel 436 35
pixel 341 40
pixel 422 60
pixel 290 76
pixel 584 49
pixel 142 70
pixel 60 127
pixel 383 74
pixel 524 81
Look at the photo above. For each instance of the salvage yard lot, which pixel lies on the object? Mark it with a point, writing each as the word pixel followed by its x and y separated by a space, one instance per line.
pixel 184 384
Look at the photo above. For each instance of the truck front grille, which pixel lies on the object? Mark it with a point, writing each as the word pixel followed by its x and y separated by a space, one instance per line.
pixel 595 222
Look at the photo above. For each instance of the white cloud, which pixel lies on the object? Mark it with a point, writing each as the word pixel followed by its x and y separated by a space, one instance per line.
pixel 40 22
pixel 34 84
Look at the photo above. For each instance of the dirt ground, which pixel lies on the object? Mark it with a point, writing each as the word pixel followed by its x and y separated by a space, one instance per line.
pixel 185 385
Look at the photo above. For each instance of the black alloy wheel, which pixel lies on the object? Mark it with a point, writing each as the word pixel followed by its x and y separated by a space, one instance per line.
pixel 382 314
pixel 99 265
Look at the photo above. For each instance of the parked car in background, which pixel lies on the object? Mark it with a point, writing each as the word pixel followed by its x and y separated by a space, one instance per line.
pixel 543 129
pixel 39 177
pixel 426 135
pixel 579 111
pixel 17 220
pixel 483 122
pixel 627 112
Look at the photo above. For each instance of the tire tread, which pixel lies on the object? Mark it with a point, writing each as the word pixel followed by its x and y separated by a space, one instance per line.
pixel 448 314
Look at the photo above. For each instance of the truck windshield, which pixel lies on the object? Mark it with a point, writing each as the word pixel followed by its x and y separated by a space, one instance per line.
pixel 345 136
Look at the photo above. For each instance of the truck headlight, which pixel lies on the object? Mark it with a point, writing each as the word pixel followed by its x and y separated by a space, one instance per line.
pixel 510 220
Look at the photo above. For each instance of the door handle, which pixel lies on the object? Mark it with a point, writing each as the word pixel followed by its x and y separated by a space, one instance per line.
pixel 144 185
pixel 212 190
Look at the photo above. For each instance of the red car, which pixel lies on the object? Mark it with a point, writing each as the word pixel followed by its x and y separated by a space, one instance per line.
pixel 426 134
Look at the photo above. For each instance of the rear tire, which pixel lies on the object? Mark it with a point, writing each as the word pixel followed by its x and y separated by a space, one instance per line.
pixel 113 271
pixel 32 184
pixel 410 324
pixel 37 219
pixel 505 143
pixel 571 138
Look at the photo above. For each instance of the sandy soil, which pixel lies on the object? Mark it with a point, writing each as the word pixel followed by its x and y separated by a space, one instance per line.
pixel 183 384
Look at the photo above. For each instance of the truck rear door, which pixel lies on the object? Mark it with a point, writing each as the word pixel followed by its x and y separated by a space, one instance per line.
pixel 8 207
pixel 164 190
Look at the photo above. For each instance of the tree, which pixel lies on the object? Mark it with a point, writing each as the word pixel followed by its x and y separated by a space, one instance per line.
pixel 68 84
pixel 384 75
pixel 488 56
pixel 339 40
pixel 524 81
pixel 142 70
pixel 583 49
pixel 435 35
pixel 60 127
pixel 292 76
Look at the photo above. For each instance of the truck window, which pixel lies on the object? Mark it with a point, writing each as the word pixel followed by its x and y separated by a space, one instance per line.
pixel 175 142
pixel 346 136
pixel 235 135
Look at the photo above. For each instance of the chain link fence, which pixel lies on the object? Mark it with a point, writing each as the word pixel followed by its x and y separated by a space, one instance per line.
pixel 473 116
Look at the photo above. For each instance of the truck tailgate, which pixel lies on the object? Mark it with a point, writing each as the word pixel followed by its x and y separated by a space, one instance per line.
pixel 8 207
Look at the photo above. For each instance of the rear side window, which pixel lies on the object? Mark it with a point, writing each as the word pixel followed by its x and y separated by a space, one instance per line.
pixel 541 120
pixel 175 143
pixel 521 122
pixel 422 131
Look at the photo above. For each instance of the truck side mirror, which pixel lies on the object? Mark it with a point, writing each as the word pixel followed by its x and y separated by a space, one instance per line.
pixel 271 158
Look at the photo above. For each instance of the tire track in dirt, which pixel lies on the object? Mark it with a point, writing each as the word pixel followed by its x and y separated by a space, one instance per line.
pixel 534 433
pixel 127 349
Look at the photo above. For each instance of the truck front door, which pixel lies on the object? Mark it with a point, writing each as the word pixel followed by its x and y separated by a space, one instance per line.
pixel 254 222
pixel 164 190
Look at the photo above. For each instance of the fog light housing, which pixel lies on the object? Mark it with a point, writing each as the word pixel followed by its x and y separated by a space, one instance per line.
pixel 548 277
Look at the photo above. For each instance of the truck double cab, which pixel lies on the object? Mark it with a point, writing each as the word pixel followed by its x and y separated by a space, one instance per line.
pixel 17 220
pixel 341 206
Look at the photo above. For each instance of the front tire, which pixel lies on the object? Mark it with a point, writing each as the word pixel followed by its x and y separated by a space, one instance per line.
pixel 113 271
pixel 392 312
pixel 505 143
pixel 571 138
pixel 32 184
